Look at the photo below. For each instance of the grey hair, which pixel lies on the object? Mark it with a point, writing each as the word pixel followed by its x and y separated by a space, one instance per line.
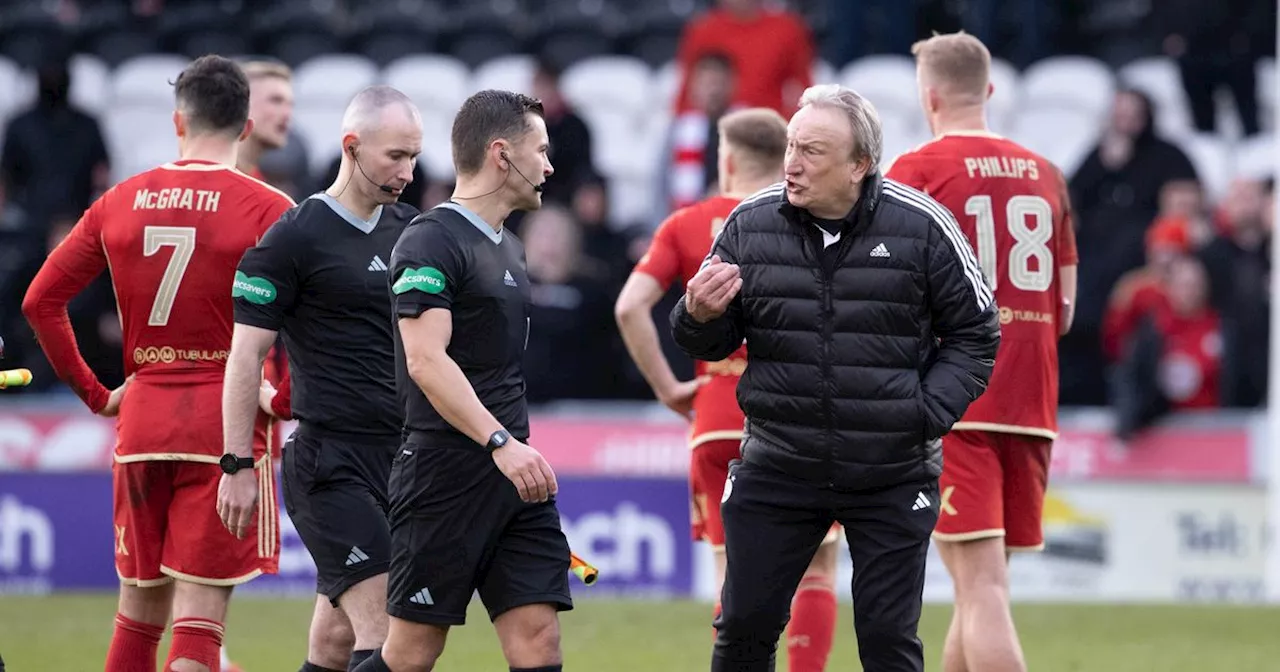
pixel 868 136
pixel 364 112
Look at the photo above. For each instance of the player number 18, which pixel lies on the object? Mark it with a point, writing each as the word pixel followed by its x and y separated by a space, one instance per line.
pixel 183 240
pixel 1030 240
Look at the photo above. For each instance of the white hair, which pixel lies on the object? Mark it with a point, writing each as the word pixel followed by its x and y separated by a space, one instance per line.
pixel 868 136
pixel 364 112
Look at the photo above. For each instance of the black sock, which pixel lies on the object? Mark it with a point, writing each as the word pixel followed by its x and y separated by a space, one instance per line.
pixel 312 667
pixel 545 668
pixel 358 657
pixel 373 663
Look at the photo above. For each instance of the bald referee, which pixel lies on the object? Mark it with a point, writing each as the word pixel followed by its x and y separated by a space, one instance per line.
pixel 473 505
pixel 319 276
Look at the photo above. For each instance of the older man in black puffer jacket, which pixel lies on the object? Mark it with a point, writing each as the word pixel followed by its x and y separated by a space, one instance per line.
pixel 869 331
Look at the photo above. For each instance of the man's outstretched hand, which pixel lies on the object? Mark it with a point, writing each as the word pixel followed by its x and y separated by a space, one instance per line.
pixel 709 293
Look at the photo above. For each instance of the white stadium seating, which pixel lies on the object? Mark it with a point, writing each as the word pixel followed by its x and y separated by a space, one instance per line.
pixel 1057 106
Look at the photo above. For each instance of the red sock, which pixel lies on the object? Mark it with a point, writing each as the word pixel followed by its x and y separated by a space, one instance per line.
pixel 133 645
pixel 198 640
pixel 812 627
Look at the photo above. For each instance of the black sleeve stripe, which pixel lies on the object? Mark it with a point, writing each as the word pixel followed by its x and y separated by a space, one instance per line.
pixel 946 223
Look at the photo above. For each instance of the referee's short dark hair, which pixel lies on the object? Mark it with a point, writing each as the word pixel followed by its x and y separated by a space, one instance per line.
pixel 213 94
pixel 485 117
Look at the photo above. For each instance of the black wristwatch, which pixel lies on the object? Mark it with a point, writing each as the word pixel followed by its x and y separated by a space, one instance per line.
pixel 232 463
pixel 497 440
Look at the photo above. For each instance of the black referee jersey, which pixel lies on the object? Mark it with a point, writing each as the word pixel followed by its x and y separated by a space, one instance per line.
pixel 327 270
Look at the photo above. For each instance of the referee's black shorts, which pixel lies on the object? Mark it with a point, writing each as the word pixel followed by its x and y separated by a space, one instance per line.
pixel 458 526
pixel 335 492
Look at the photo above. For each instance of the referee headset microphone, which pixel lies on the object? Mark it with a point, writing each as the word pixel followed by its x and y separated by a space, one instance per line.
pixel 513 166
pixel 384 187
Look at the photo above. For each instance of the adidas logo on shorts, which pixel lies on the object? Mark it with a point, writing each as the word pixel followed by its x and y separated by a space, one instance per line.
pixel 356 556
pixel 422 597
pixel 922 502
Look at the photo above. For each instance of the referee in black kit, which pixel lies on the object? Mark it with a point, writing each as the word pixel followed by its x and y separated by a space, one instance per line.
pixel 472 505
pixel 319 275
pixel 869 331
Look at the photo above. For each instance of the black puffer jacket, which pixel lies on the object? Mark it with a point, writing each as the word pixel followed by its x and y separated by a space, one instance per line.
pixel 862 355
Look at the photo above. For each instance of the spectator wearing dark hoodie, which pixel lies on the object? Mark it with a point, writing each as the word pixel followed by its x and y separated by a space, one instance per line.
pixel 1116 195
pixel 54 160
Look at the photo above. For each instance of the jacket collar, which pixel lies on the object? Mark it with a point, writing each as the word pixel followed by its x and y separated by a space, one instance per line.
pixel 872 188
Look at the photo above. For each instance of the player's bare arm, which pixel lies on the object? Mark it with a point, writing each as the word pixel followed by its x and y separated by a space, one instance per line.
pixel 1067 278
pixel 426 341
pixel 238 492
pixel 634 313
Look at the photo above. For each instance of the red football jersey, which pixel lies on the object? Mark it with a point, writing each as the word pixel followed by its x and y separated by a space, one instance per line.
pixel 171 238
pixel 1013 206
pixel 679 246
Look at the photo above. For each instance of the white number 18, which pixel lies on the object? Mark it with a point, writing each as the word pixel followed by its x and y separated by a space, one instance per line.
pixel 1030 242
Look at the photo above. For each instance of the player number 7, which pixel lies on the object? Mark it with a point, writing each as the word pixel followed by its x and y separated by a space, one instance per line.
pixel 183 240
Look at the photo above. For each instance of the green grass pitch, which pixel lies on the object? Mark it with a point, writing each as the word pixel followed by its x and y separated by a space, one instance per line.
pixel 69 633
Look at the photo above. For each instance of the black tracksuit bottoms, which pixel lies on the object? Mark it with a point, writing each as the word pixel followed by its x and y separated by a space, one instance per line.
pixel 774 523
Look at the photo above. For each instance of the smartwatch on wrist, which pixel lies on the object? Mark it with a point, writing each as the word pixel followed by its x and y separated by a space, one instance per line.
pixel 497 440
pixel 231 463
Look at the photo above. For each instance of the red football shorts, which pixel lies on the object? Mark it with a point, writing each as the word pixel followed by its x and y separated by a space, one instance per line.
pixel 708 472
pixel 993 485
pixel 165 493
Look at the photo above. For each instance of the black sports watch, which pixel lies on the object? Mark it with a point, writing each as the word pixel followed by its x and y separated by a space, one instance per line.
pixel 498 439
pixel 231 463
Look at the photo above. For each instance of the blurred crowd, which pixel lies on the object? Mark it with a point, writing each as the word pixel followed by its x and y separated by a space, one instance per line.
pixel 1174 290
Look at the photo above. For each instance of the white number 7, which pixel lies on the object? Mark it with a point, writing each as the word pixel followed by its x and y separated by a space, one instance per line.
pixel 183 240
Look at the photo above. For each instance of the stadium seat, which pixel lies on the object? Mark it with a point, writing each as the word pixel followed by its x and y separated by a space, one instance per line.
pixel 651 30
pixel 620 148
pixel 666 84
pixel 384 32
pixel 482 30
pixel 631 202
pixel 19 88
pixel 621 83
pixel 115 47
pixel 885 80
pixel 437 150
pixel 179 25
pixel 230 44
pixel 294 32
pixel 432 81
pixel 320 124
pixel 566 33
pixel 139 136
pixel 512 72
pixel 1063 135
pixel 1007 98
pixel 1256 156
pixel 332 79
pixel 90 83
pixel 823 73
pixel 1211 156
pixel 1266 70
pixel 901 134
pixel 1069 81
pixel 1158 77
pixel 29 33
pixel 147 80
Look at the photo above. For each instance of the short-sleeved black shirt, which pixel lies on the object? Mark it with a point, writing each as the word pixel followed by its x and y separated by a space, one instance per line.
pixel 450 258
pixel 319 276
